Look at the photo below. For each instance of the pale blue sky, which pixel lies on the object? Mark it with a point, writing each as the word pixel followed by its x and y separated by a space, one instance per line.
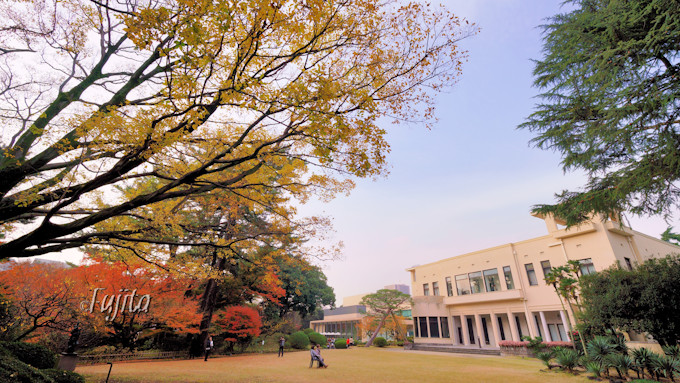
pixel 469 183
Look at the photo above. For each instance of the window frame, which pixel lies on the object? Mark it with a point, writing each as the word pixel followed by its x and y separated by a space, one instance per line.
pixel 426 289
pixel 531 272
pixel 435 289
pixel 492 272
pixel 449 287
pixel 507 270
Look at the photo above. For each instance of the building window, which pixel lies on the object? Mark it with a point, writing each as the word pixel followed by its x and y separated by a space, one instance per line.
pixel 519 327
pixel 435 288
pixel 426 289
pixel 545 265
pixel 486 331
pixel 531 274
pixel 476 282
pixel 587 266
pixel 509 283
pixel 500 327
pixel 434 327
pixel 471 331
pixel 415 327
pixel 423 327
pixel 538 325
pixel 629 265
pixel 445 327
pixel 493 283
pixel 449 287
pixel 462 284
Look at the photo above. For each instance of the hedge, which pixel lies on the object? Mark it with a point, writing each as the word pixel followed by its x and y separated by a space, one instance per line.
pixel 380 341
pixel 341 343
pixel 299 340
pixel 317 338
pixel 32 354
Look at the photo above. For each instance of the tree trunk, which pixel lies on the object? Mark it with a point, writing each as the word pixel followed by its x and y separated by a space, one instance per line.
pixel 375 334
pixel 208 301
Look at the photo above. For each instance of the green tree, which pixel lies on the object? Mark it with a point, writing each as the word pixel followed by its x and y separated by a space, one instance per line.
pixel 383 303
pixel 610 79
pixel 644 299
pixel 306 288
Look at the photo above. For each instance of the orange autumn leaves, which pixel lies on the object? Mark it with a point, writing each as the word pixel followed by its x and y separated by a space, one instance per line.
pixel 48 298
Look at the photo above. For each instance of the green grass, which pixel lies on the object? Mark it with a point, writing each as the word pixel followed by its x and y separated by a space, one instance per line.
pixel 355 365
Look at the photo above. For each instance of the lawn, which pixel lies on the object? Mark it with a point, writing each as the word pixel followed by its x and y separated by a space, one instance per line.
pixel 354 365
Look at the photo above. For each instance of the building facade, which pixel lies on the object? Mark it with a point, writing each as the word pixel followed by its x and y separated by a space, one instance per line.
pixel 481 298
pixel 346 320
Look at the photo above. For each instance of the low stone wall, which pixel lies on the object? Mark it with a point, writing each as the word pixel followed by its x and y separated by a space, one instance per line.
pixel 516 351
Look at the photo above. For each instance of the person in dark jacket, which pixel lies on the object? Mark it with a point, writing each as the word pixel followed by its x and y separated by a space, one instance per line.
pixel 208 347
pixel 282 342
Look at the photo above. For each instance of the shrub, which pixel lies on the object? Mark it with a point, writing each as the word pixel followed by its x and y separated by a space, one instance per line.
pixel 308 331
pixel 380 341
pixel 644 359
pixel 341 343
pixel 567 358
pixel 673 350
pixel 546 357
pixel 61 376
pixel 667 366
pixel 594 368
pixel 599 348
pixel 536 344
pixel 299 340
pixel 317 338
pixel 16 371
pixel 512 343
pixel 32 354
pixel 622 363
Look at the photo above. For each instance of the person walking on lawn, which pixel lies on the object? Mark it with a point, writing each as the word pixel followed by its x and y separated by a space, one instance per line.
pixel 208 347
pixel 282 342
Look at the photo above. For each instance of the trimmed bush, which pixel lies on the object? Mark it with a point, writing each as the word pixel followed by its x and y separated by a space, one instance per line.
pixel 567 358
pixel 32 354
pixel 308 331
pixel 380 341
pixel 61 376
pixel 16 371
pixel 317 338
pixel 341 343
pixel 299 340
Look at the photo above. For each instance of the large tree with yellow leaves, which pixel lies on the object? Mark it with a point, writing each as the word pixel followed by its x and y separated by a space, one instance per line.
pixel 186 97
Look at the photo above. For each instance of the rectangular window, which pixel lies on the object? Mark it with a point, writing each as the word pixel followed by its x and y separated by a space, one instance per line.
pixel 629 265
pixel 545 265
pixel 486 331
pixel 462 284
pixel 587 266
pixel 509 283
pixel 415 327
pixel 500 327
pixel 563 334
pixel 554 334
pixel 434 327
pixel 471 331
pixel 449 287
pixel 423 327
pixel 476 282
pixel 426 289
pixel 445 327
pixel 531 274
pixel 491 280
pixel 519 327
pixel 538 326
pixel 435 289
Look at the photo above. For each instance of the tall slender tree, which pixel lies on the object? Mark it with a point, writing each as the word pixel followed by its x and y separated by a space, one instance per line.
pixel 610 77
